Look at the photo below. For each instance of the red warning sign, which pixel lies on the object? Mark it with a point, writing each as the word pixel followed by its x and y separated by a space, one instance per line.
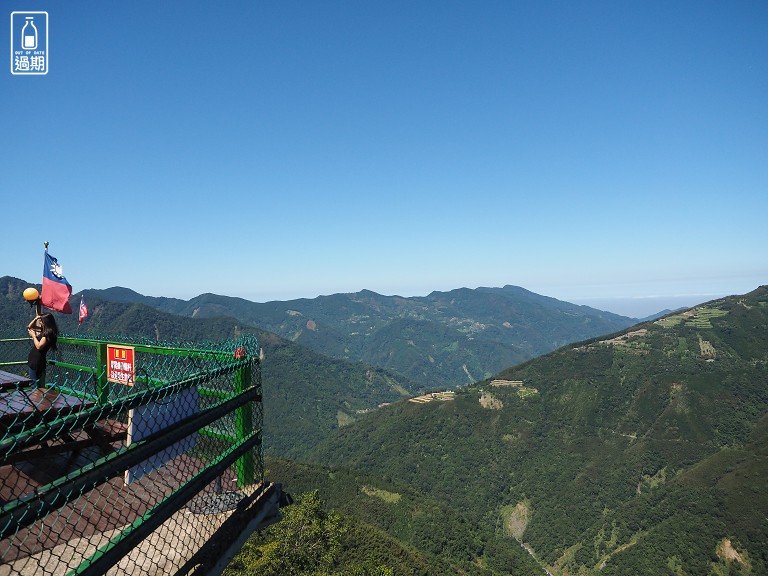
pixel 120 365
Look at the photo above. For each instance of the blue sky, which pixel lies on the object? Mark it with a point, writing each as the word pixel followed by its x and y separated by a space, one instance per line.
pixel 607 153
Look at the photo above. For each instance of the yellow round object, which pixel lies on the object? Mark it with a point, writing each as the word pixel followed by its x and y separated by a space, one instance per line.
pixel 31 294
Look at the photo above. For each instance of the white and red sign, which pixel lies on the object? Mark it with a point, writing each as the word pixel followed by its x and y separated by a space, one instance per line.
pixel 120 364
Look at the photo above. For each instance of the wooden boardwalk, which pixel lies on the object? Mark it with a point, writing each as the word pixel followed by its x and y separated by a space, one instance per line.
pixel 106 508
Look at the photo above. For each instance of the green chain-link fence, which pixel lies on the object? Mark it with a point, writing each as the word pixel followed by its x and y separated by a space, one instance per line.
pixel 129 457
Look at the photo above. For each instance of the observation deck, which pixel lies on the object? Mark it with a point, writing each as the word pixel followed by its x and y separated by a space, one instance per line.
pixel 131 457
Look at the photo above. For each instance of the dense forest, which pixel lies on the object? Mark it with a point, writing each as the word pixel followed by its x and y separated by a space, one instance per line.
pixel 625 454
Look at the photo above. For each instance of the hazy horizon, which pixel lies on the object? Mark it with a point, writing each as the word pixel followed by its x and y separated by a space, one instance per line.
pixel 633 307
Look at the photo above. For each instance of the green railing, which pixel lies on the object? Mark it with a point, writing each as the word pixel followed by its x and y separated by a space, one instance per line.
pixel 98 466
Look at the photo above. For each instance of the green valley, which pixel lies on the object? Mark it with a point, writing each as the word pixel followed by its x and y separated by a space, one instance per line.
pixel 635 450
pixel 643 452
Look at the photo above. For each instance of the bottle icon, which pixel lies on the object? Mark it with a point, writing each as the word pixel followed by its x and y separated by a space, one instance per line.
pixel 29 34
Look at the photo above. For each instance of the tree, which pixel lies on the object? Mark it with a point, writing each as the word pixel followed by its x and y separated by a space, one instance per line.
pixel 307 541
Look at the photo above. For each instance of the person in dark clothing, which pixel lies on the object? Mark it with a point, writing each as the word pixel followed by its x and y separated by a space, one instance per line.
pixel 44 333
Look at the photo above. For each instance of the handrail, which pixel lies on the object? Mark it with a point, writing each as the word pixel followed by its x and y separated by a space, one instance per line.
pixel 98 412
pixel 216 433
pixel 20 513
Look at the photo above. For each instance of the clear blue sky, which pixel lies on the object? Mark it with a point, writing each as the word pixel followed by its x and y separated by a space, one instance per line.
pixel 598 152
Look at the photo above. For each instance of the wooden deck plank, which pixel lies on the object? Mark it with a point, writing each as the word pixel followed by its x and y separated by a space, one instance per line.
pixel 108 507
pixel 39 404
pixel 10 381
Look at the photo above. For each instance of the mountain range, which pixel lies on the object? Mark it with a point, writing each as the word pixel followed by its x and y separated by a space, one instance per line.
pixel 644 452
pixel 306 395
pixel 352 351
pixel 442 340
pixel 635 450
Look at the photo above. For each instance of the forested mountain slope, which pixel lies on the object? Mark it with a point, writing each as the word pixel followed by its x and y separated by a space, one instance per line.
pixel 643 452
pixel 404 530
pixel 443 340
pixel 305 394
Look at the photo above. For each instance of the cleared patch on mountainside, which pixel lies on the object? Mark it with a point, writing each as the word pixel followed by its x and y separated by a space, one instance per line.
pixel 395 387
pixel 522 390
pixel 694 318
pixel 467 325
pixel 385 495
pixel 624 338
pixel 707 350
pixel 343 419
pixel 648 482
pixel 433 396
pixel 726 551
pixel 502 383
pixel 516 518
pixel 526 392
pixel 630 342
pixel 490 402
pixel 678 399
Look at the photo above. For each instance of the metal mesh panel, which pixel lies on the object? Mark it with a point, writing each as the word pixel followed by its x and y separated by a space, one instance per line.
pixel 99 476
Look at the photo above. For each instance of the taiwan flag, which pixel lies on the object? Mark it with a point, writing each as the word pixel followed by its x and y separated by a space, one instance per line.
pixel 83 309
pixel 56 289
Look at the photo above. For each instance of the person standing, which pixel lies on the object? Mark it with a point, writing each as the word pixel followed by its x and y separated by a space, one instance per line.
pixel 44 333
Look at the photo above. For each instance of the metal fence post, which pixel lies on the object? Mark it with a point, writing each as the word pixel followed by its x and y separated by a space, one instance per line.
pixel 244 428
pixel 102 385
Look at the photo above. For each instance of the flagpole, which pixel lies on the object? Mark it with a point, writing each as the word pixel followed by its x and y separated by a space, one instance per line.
pixel 83 310
pixel 39 301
